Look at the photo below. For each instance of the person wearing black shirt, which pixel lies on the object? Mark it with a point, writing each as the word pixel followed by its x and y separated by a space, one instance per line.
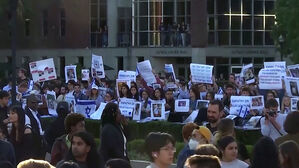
pixel 214 114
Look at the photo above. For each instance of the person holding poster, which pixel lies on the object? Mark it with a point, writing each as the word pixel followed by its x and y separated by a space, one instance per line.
pixel 113 138
pixel 230 90
pixel 194 96
pixel 285 105
pixel 145 105
pixel 272 123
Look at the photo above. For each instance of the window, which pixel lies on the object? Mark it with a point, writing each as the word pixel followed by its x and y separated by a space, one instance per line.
pixel 258 38
pixel 140 59
pixel 120 63
pixel 222 6
pixel 223 22
pixel 235 37
pixel 210 6
pixel 45 23
pixel 247 38
pixel 62 23
pixel 236 6
pixel 236 23
pixel 223 37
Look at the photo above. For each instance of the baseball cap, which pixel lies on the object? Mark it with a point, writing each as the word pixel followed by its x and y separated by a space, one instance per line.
pixel 204 131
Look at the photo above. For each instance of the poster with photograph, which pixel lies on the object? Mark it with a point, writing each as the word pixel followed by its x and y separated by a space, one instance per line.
pixel 145 70
pixel 270 78
pixel 158 110
pixel 291 86
pixel 137 111
pixel 71 101
pixel 170 76
pixel 247 74
pixel 278 102
pixel 181 105
pixel 97 66
pixel 294 70
pixel 122 83
pixel 70 73
pixel 239 80
pixel 86 107
pixel 97 115
pixel 51 102
pixel 123 74
pixel 43 70
pixel 201 73
pixel 126 106
pixel 257 102
pixel 85 74
pixel 294 101
pixel 237 102
pixel 202 104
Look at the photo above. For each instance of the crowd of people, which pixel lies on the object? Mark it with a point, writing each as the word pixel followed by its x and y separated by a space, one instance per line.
pixel 174 34
pixel 210 141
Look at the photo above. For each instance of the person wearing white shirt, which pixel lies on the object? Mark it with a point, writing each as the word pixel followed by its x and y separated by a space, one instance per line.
pixel 229 151
pixel 272 123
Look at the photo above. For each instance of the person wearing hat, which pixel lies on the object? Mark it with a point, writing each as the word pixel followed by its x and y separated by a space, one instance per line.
pixel 57 128
pixel 94 95
pixel 200 135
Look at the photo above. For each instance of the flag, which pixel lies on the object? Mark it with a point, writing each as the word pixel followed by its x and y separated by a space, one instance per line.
pixel 86 107
pixel 220 91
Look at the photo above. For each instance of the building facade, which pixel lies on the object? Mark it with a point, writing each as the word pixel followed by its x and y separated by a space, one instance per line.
pixel 223 33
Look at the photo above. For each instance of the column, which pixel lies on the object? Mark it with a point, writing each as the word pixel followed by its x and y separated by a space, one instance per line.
pixel 112 22
pixel 199 55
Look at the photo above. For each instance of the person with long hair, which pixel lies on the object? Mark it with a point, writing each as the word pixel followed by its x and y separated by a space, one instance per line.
pixel 124 91
pixel 160 147
pixel 113 139
pixel 265 154
pixel 285 105
pixel 194 96
pixel 158 94
pixel 83 151
pixel 94 95
pixel 289 154
pixel 146 104
pixel 229 153
pixel 21 135
pixel 134 93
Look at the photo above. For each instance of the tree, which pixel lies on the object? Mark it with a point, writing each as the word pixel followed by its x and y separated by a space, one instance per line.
pixel 287 15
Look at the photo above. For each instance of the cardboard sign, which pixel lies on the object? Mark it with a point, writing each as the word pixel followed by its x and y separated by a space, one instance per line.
pixel 201 73
pixel 43 70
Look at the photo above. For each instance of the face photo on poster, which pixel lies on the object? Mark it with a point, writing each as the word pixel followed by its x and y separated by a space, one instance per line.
pixel 85 74
pixel 51 102
pixel 120 84
pixel 157 111
pixel 294 70
pixel 294 101
pixel 181 105
pixel 70 73
pixel 137 111
pixel 202 104
pixel 97 66
pixel 257 102
pixel 248 74
pixel 294 88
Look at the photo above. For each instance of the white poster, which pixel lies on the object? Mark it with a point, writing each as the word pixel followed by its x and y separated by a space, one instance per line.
pixel 294 101
pixel 203 95
pixel 191 117
pixel 43 70
pixel 97 115
pixel 71 101
pixel 219 97
pixel 239 102
pixel 292 85
pixel 247 73
pixel 145 69
pixel 85 74
pixel 170 76
pixel 277 65
pixel 201 73
pixel 158 110
pixel 51 102
pixel 97 66
pixel 270 78
pixel 181 105
pixel 294 70
pixel 122 74
pixel 278 102
pixel 120 83
pixel 239 80
pixel 86 107
pixel 202 104
pixel 137 111
pixel 70 73
pixel 126 106
pixel 257 102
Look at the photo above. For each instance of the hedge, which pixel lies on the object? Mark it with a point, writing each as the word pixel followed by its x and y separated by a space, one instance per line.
pixel 140 130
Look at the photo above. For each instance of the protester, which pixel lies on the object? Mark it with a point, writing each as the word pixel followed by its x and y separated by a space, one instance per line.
pixel 73 123
pixel 194 96
pixel 134 92
pixel 200 135
pixel 4 99
pixel 57 128
pixel 291 127
pixel 83 152
pixel 78 93
pixel 7 153
pixel 25 144
pixel 285 105
pixel 230 90
pixel 229 151
pixel 186 151
pixel 207 149
pixel 95 95
pixel 272 123
pixel 214 114
pixel 289 154
pixel 124 91
pixel 265 154
pixel 31 163
pixel 113 140
pixel 22 76
pixel 145 104
pixel 63 92
pixel 160 147
pixel 203 161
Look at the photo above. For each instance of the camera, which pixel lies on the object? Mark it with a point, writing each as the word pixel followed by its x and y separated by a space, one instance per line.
pixel 272 113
